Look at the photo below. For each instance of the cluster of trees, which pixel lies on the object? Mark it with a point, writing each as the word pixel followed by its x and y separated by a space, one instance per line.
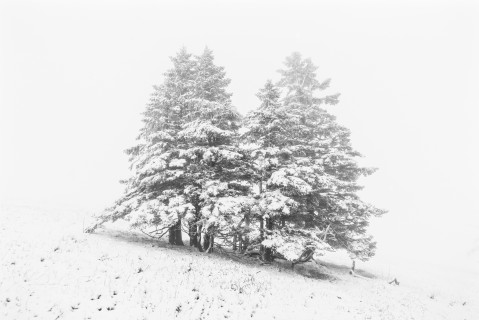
pixel 280 181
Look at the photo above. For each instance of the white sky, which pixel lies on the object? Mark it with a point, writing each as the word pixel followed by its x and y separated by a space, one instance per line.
pixel 75 76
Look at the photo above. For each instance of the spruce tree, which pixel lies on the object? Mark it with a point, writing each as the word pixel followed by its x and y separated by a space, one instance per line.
pixel 287 185
pixel 187 165
pixel 326 161
pixel 216 166
pixel 154 198
pixel 266 136
pixel 308 202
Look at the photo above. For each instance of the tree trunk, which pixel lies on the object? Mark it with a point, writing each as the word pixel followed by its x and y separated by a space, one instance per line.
pixel 178 234
pixel 245 241
pixel 174 234
pixel 235 237
pixel 192 234
pixel 211 244
pixel 206 241
pixel 263 250
pixel 268 252
pixel 194 227
pixel 171 234
pixel 261 230
pixel 198 238
pixel 265 253
pixel 240 243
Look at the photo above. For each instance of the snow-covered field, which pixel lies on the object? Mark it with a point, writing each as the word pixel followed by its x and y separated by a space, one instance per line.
pixel 49 269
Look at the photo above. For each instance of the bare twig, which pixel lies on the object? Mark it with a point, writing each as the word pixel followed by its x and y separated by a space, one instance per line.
pixel 148 234
pixel 354 274
pixel 156 231
pixel 326 232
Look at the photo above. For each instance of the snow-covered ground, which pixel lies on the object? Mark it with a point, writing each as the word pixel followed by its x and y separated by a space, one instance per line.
pixel 50 269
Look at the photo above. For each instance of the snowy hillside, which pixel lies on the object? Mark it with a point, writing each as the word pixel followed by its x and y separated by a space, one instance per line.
pixel 49 269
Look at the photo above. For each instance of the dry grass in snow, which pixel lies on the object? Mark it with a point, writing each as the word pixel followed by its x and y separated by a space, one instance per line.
pixel 49 269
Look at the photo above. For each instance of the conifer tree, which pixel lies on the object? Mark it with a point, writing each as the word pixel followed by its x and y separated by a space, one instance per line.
pixel 309 201
pixel 287 185
pixel 187 165
pixel 154 198
pixel 210 80
pixel 326 161
pixel 215 163
pixel 266 137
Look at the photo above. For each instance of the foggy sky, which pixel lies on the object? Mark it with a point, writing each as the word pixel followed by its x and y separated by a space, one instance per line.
pixel 75 76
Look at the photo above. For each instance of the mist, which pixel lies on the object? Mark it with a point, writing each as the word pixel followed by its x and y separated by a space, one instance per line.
pixel 74 79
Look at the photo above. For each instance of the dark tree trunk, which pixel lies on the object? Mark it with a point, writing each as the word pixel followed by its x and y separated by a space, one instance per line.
pixel 198 238
pixel 245 242
pixel 235 240
pixel 261 235
pixel 174 234
pixel 261 229
pixel 178 234
pixel 194 231
pixel 192 234
pixel 211 244
pixel 206 241
pixel 268 252
pixel 171 235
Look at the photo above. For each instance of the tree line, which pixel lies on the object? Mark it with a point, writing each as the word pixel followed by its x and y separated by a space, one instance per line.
pixel 280 181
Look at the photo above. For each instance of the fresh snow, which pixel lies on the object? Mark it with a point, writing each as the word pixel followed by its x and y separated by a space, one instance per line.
pixel 50 269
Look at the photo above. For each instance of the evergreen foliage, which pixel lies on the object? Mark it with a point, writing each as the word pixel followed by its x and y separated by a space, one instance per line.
pixel 286 186
pixel 310 169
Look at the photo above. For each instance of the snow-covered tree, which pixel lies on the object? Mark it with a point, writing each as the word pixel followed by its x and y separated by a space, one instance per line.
pixel 154 198
pixel 217 166
pixel 326 161
pixel 300 83
pixel 307 170
pixel 187 165
pixel 287 185
pixel 266 136
pixel 211 82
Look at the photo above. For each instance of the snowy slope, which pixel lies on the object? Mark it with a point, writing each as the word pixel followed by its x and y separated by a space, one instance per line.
pixel 49 269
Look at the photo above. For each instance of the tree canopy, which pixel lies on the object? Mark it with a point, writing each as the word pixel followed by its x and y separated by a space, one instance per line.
pixel 283 180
